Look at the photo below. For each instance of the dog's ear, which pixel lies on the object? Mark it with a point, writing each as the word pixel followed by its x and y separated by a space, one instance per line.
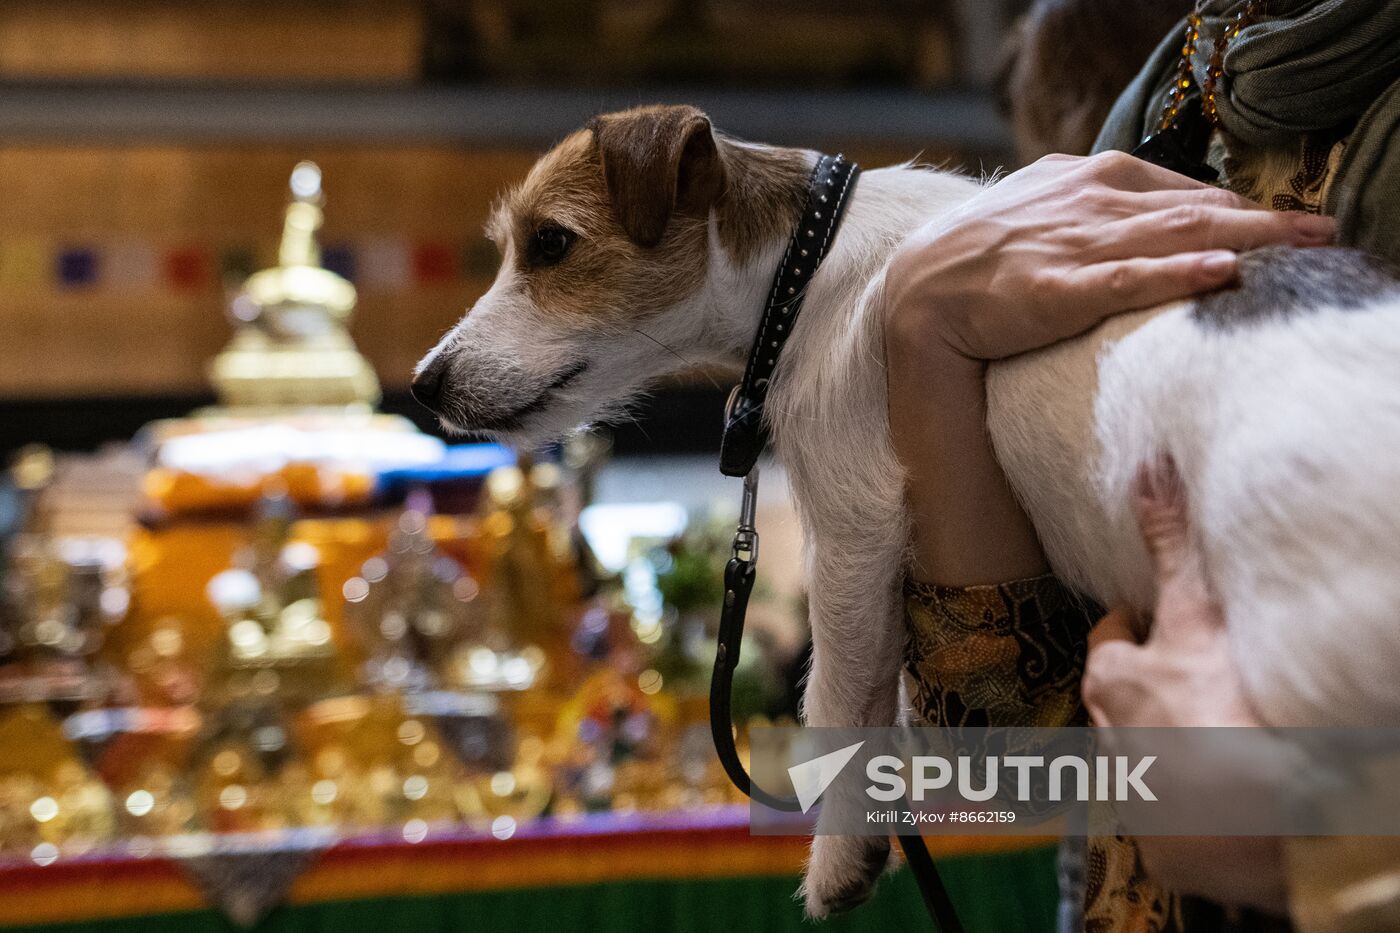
pixel 658 162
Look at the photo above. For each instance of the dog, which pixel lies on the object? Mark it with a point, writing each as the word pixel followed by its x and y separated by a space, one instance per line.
pixel 647 242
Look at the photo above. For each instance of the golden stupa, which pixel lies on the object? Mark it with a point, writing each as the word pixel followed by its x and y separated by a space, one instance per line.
pixel 291 349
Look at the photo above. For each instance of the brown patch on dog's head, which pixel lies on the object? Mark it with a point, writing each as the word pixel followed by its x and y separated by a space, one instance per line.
pixel 630 198
pixel 607 252
pixel 665 162
pixel 764 196
pixel 631 195
pixel 658 161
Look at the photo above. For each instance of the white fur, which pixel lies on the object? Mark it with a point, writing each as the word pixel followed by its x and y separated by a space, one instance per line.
pixel 1286 433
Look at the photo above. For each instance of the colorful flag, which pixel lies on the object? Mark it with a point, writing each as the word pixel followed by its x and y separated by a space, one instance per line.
pixel 433 263
pixel 22 262
pixel 76 266
pixel 130 265
pixel 384 263
pixel 187 267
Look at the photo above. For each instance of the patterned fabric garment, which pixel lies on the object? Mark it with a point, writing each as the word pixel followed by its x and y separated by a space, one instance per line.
pixel 1308 187
pixel 1296 176
pixel 1013 654
pixel 1010 654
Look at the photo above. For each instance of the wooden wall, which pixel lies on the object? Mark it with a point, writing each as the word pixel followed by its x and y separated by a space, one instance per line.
pixel 121 334
pixel 325 40
pixel 115 259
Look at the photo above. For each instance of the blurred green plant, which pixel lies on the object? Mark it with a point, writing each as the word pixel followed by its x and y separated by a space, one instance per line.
pixel 690 568
pixel 690 577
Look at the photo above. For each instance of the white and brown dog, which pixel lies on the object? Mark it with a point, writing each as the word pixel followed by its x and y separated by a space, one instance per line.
pixel 1279 402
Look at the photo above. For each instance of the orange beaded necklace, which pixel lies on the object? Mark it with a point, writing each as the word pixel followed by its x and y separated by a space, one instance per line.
pixel 1185 76
pixel 1183 133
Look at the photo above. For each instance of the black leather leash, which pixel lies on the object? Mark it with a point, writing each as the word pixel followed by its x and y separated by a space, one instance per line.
pixel 745 436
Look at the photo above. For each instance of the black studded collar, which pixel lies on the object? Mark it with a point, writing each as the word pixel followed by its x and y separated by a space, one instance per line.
pixel 745 432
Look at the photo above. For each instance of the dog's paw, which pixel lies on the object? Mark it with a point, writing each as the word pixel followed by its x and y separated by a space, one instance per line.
pixel 842 872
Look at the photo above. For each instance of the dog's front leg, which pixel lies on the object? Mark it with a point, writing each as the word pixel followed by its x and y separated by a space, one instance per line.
pixel 857 652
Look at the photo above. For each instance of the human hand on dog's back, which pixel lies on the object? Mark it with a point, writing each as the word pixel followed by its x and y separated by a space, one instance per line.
pixel 1044 254
pixel 1051 250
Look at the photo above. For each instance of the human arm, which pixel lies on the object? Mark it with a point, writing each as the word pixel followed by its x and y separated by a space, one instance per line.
pixel 1045 253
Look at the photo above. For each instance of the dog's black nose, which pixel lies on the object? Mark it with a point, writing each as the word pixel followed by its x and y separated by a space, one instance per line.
pixel 427 385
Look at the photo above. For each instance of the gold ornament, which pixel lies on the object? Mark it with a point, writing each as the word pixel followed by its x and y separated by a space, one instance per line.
pixel 291 349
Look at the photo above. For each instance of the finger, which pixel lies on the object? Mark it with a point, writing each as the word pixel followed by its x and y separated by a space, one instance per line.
pixel 1106 288
pixel 1129 173
pixel 1210 196
pixel 1185 607
pixel 1194 227
pixel 1116 626
pixel 1159 505
pixel 1109 673
pixel 1103 205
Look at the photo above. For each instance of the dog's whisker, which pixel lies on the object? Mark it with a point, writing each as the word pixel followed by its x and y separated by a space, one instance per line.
pixel 639 426
pixel 670 350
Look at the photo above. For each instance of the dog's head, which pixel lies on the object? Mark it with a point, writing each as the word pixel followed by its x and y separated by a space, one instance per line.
pixel 604 280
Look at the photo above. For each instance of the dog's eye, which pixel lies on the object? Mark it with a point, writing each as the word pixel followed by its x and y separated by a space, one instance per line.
pixel 550 244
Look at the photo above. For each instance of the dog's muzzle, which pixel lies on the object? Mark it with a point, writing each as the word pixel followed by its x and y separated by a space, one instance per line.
pixel 427 386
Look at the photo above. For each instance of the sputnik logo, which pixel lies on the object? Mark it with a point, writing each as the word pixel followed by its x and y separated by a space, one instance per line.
pixel 810 779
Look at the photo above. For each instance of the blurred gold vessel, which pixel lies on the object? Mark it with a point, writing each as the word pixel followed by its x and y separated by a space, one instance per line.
pixel 291 349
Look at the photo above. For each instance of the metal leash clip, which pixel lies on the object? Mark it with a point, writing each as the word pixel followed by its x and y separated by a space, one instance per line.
pixel 746 534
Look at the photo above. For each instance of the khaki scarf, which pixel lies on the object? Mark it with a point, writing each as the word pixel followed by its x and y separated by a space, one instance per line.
pixel 1306 66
